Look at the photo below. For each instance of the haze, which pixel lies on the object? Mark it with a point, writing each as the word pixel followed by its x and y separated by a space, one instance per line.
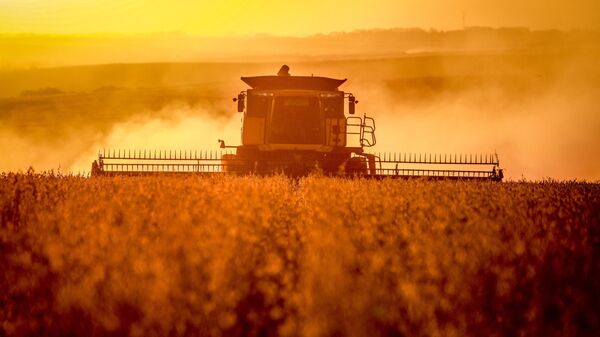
pixel 297 18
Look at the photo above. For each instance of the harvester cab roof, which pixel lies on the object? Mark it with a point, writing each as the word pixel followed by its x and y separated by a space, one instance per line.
pixel 293 82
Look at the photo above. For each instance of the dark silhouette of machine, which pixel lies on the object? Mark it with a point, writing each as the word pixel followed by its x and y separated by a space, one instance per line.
pixel 296 125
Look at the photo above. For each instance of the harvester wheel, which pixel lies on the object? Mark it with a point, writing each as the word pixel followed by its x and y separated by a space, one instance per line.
pixel 96 171
pixel 231 163
pixel 356 166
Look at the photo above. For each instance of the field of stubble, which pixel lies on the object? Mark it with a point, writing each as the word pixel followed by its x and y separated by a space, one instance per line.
pixel 249 256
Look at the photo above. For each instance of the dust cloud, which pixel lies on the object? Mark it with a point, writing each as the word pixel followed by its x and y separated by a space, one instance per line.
pixel 185 131
pixel 538 109
pixel 549 132
pixel 554 136
pixel 185 128
pixel 543 124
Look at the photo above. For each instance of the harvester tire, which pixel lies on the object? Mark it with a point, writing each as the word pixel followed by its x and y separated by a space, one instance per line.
pixel 232 164
pixel 356 166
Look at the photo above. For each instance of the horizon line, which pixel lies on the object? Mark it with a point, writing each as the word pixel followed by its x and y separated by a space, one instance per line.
pixel 268 34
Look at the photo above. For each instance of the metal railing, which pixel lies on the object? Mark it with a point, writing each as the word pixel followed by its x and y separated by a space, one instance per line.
pixel 362 127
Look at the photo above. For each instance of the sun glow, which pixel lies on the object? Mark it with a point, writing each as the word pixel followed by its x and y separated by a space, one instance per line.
pixel 239 17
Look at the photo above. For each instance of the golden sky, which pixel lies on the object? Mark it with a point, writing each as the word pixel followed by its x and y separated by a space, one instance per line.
pixel 281 17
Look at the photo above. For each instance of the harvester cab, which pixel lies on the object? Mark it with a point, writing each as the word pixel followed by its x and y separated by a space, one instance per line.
pixel 296 125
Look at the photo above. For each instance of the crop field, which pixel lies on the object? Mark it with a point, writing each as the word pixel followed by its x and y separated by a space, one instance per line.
pixel 318 256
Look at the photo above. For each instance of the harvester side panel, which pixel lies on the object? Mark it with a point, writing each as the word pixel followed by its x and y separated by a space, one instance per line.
pixel 253 132
pixel 335 129
pixel 253 126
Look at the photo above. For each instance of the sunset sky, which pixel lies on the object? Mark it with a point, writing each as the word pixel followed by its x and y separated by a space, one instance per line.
pixel 242 17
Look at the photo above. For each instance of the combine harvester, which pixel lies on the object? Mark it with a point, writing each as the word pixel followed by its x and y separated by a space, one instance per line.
pixel 296 125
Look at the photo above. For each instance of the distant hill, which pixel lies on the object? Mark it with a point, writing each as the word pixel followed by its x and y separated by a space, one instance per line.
pixel 30 50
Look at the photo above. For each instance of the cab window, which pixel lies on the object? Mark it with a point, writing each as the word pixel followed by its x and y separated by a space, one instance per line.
pixel 296 120
pixel 258 104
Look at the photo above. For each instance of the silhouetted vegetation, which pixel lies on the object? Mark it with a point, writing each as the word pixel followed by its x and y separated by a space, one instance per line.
pixel 42 92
